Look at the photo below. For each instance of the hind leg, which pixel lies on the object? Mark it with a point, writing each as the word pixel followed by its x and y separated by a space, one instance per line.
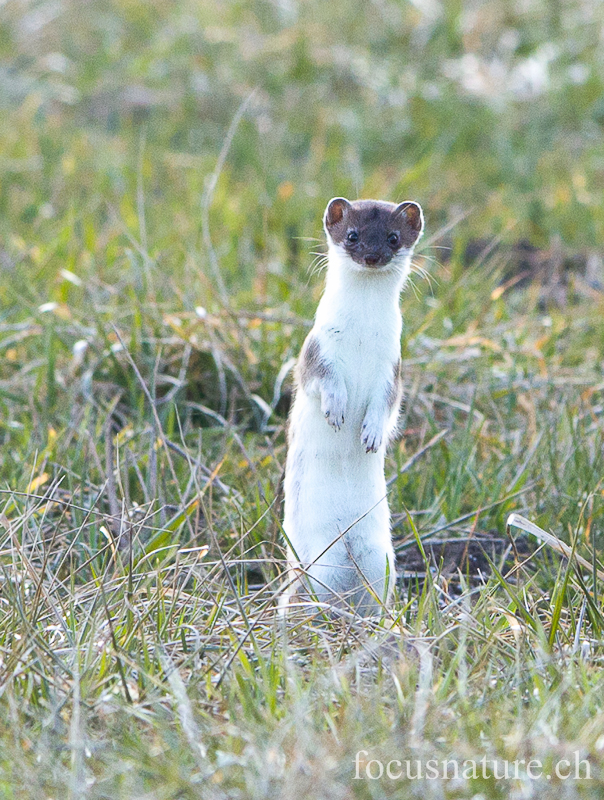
pixel 375 579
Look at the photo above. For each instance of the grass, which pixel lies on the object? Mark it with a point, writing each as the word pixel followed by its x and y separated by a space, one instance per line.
pixel 163 172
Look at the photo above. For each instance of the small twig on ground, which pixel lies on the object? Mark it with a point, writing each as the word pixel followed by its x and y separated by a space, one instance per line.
pixel 518 521
pixel 411 461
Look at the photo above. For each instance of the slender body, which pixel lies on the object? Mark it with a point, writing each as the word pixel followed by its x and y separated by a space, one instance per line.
pixel 348 393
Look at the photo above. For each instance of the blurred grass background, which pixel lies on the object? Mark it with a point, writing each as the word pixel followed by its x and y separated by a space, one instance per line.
pixel 164 167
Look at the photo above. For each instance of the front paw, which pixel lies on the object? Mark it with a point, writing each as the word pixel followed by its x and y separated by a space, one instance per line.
pixel 372 434
pixel 333 406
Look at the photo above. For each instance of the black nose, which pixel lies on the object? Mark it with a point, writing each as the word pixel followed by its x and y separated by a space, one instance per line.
pixel 371 259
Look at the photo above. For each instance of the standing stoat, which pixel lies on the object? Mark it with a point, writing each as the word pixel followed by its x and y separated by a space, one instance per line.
pixel 348 393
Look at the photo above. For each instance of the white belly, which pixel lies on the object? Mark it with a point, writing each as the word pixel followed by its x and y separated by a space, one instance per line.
pixel 336 511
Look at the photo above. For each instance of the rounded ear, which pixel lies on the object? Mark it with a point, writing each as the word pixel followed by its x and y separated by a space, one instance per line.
pixel 335 211
pixel 413 215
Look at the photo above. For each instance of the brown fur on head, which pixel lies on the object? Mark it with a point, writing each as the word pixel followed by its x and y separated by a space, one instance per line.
pixel 373 232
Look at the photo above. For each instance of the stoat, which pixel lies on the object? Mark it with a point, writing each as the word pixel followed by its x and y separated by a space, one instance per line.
pixel 347 399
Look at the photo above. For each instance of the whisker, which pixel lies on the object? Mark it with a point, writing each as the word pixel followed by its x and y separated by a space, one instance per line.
pixel 318 264
pixel 430 258
pixel 413 286
pixel 418 270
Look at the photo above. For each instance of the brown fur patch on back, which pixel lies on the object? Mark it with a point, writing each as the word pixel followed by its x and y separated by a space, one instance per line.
pixel 312 363
pixel 395 390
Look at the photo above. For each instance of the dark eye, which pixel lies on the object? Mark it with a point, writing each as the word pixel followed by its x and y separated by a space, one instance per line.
pixel 393 239
pixel 353 236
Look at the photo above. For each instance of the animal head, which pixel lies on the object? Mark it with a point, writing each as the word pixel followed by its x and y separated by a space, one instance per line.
pixel 373 233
